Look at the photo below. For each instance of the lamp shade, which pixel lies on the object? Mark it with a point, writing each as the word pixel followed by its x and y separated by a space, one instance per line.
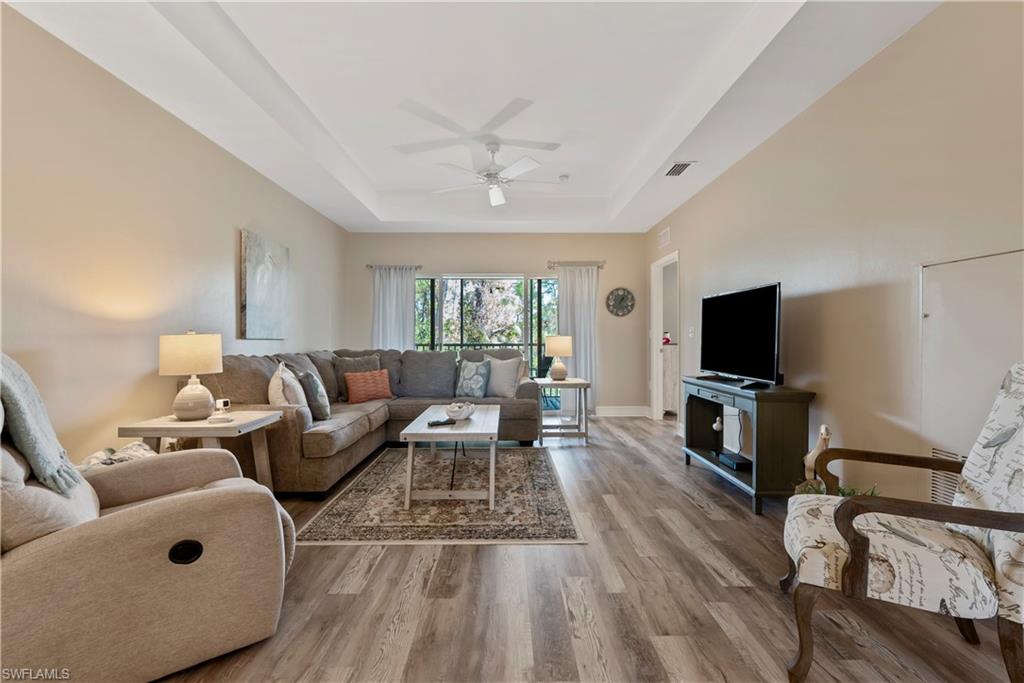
pixel 190 354
pixel 560 346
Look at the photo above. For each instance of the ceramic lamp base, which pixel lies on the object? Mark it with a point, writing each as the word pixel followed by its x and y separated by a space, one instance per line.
pixel 558 371
pixel 193 402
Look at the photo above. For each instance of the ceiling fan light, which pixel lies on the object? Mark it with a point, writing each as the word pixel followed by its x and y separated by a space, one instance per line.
pixel 496 195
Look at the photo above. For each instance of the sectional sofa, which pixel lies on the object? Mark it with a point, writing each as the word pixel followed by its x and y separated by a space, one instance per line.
pixel 309 456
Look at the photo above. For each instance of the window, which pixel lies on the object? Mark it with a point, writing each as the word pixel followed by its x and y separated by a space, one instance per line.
pixel 452 313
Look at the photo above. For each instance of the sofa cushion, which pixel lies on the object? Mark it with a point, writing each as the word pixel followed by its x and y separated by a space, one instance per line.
pixel 342 429
pixel 244 379
pixel 367 386
pixel 31 510
pixel 390 360
pixel 301 362
pixel 323 361
pixel 375 411
pixel 344 365
pixel 473 378
pixel 284 388
pixel 504 377
pixel 428 374
pixel 408 408
pixel 316 395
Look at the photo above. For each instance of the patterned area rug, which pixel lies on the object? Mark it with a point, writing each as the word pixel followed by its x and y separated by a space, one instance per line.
pixel 529 505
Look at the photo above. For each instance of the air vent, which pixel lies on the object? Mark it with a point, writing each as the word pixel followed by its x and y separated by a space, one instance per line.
pixel 679 167
pixel 944 483
pixel 665 237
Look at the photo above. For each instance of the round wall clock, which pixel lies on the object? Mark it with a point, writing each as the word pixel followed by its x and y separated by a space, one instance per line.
pixel 620 301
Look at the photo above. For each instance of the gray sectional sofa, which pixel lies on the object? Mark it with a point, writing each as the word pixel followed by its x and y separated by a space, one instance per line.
pixel 309 456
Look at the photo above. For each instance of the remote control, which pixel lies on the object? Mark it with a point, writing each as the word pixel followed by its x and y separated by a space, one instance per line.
pixel 441 423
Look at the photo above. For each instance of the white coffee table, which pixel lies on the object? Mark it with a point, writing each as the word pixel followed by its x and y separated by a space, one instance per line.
pixel 482 425
pixel 252 422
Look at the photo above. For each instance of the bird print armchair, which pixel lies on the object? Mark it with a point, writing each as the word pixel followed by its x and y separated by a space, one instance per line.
pixel 964 560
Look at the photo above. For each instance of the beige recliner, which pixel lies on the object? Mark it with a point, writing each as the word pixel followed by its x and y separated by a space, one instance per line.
pixel 148 567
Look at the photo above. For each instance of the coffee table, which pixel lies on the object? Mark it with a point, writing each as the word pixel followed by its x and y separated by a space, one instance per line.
pixel 482 425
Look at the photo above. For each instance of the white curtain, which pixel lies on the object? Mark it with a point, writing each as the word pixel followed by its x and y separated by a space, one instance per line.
pixel 394 307
pixel 577 317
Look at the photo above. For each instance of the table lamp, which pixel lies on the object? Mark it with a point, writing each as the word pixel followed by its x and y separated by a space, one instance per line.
pixel 558 347
pixel 191 354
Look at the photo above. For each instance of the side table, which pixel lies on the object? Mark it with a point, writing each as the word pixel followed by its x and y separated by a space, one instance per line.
pixel 577 428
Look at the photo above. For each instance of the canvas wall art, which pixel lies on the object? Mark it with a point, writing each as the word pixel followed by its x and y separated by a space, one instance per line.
pixel 264 287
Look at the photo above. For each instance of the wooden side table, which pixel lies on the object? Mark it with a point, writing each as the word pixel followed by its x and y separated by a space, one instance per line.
pixel 252 422
pixel 577 428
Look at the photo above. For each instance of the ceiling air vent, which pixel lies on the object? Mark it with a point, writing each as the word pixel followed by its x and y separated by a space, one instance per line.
pixel 679 167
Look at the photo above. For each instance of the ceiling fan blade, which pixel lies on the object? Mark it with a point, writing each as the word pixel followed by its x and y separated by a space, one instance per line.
pixel 507 113
pixel 456 188
pixel 518 168
pixel 428 146
pixel 459 168
pixel 538 182
pixel 428 114
pixel 530 144
pixel 496 195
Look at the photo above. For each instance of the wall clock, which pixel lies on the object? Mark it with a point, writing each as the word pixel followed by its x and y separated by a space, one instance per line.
pixel 620 301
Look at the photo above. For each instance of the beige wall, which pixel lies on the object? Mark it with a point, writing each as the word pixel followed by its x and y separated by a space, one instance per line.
pixel 121 223
pixel 621 345
pixel 916 157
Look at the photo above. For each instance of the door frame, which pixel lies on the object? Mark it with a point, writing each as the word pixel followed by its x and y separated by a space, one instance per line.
pixel 657 326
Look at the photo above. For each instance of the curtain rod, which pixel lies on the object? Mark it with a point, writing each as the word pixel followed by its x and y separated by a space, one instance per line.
pixel 555 264
pixel 384 265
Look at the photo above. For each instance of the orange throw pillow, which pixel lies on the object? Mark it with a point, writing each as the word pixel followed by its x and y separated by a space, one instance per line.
pixel 367 386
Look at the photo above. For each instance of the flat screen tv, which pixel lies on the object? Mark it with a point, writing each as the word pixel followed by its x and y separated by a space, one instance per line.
pixel 739 334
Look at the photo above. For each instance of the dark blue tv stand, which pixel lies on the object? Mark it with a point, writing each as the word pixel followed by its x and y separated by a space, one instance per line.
pixel 779 435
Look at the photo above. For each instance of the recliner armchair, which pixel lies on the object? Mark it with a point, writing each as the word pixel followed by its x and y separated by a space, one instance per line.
pixel 149 566
pixel 964 560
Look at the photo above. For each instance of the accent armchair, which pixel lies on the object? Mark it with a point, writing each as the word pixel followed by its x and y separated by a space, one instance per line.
pixel 148 566
pixel 964 560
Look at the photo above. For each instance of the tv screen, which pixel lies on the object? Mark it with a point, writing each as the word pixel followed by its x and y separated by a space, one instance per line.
pixel 739 334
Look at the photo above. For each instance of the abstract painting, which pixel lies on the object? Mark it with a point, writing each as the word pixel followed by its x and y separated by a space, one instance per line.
pixel 264 290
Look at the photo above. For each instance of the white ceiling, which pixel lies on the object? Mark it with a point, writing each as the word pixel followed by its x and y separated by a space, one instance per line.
pixel 311 95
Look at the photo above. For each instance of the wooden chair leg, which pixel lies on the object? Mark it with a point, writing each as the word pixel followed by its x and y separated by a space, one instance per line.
pixel 804 598
pixel 786 581
pixel 967 630
pixel 1011 642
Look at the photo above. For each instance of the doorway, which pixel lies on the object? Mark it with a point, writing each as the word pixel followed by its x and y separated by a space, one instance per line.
pixel 665 323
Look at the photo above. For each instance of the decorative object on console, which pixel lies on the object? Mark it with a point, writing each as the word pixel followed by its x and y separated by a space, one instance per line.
pixel 367 386
pixel 504 376
pixel 473 378
pixel 558 347
pixel 264 287
pixel 191 354
pixel 620 302
pixel 460 410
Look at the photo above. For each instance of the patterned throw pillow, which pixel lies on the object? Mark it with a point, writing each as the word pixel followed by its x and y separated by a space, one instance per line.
pixel 285 389
pixel 346 364
pixel 473 379
pixel 315 393
pixel 367 386
pixel 504 377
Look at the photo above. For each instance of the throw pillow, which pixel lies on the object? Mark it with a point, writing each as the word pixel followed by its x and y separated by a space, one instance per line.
pixel 367 386
pixel 284 388
pixel 473 379
pixel 353 364
pixel 315 393
pixel 504 377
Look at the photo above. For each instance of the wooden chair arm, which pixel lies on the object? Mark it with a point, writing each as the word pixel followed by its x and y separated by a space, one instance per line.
pixel 855 570
pixel 901 460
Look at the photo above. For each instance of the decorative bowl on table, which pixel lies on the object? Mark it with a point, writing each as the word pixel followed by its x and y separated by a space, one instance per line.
pixel 459 410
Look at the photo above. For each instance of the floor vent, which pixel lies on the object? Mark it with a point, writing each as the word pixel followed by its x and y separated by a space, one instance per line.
pixel 944 483
pixel 678 168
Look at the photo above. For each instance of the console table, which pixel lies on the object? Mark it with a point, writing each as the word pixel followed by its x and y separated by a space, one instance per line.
pixel 779 417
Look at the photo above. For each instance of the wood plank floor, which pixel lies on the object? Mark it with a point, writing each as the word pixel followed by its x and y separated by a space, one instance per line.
pixel 679 581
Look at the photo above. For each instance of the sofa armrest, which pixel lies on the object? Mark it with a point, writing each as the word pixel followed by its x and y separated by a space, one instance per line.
pixel 159 475
pixel 295 415
pixel 227 598
pixel 528 389
pixel 898 459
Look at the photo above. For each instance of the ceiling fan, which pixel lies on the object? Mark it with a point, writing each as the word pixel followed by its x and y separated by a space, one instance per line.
pixel 464 136
pixel 495 177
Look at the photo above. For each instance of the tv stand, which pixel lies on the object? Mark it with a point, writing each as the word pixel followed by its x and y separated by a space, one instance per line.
pixel 779 438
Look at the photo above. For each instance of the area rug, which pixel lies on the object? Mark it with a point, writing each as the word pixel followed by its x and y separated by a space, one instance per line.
pixel 529 504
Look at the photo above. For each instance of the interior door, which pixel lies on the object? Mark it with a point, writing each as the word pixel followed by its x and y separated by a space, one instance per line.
pixel 972 332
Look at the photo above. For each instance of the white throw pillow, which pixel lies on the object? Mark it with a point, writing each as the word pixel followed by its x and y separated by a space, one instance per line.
pixel 504 377
pixel 285 389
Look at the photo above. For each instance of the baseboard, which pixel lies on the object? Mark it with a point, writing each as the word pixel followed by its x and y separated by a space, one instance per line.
pixel 623 411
